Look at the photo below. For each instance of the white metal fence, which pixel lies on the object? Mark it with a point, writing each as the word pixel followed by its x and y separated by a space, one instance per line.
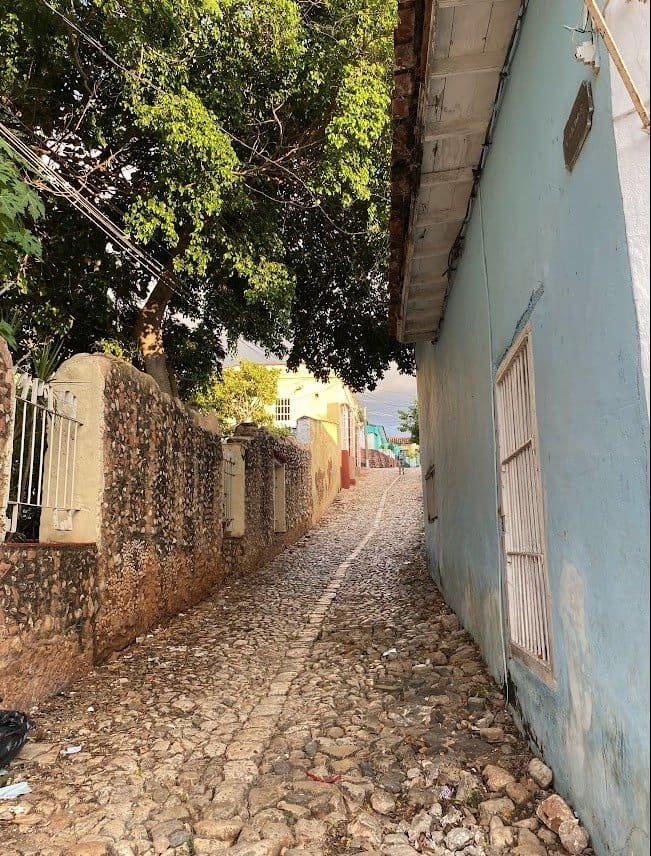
pixel 44 456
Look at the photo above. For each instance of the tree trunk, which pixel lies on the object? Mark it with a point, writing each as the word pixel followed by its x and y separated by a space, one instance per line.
pixel 149 335
pixel 149 326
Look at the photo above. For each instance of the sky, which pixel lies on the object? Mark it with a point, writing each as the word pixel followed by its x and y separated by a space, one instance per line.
pixel 394 392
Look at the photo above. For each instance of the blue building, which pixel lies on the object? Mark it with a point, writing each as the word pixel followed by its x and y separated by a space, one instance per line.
pixel 520 265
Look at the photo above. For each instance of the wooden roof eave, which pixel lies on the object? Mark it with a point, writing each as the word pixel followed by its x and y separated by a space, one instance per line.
pixel 458 52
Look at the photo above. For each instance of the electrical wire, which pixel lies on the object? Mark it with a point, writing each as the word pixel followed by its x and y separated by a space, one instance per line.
pixel 41 142
pixel 35 164
pixel 60 186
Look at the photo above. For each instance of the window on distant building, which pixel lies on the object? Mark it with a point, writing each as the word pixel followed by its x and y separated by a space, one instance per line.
pixel 283 410
pixel 523 508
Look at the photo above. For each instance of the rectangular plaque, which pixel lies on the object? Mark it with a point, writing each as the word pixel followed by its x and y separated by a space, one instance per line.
pixel 578 125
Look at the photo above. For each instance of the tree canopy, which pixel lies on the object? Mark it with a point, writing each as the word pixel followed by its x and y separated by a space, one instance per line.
pixel 245 145
pixel 409 422
pixel 20 207
pixel 242 394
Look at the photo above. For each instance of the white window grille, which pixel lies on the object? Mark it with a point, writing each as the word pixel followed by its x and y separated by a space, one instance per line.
pixel 283 410
pixel 523 507
pixel 229 479
pixel 44 457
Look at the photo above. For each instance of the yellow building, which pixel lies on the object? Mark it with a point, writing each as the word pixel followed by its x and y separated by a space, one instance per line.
pixel 301 394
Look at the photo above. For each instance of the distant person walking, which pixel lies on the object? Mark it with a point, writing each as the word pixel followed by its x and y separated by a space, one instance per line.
pixel 401 462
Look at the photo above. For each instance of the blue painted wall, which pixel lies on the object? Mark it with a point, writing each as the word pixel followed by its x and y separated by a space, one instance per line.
pixel 549 246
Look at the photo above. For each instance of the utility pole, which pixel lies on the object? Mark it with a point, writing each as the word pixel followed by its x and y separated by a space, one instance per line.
pixel 366 464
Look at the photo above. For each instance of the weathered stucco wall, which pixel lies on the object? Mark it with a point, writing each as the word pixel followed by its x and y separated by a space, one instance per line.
pixel 260 543
pixel 48 601
pixel 629 23
pixel 550 246
pixel 325 459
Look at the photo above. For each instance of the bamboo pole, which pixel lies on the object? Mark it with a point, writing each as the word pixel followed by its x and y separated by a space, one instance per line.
pixel 613 50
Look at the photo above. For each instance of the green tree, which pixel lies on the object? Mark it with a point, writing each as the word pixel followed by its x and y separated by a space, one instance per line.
pixel 242 394
pixel 20 207
pixel 255 170
pixel 409 422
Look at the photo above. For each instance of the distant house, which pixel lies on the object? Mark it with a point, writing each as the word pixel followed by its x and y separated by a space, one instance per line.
pixel 377 438
pixel 411 450
pixel 378 451
pixel 301 394
pixel 520 268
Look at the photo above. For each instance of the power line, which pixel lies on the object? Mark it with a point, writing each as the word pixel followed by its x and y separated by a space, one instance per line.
pixel 65 189
pixel 60 186
pixel 86 182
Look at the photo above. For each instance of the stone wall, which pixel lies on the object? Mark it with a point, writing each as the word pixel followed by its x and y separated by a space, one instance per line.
pixel 159 525
pixel 376 458
pixel 48 602
pixel 325 461
pixel 147 538
pixel 260 542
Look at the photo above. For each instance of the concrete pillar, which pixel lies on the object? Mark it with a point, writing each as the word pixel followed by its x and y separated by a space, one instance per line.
pixel 84 376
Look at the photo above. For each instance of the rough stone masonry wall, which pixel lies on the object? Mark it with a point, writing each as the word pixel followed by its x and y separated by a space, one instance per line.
pixel 151 520
pixel 48 600
pixel 260 543
pixel 161 520
pixel 376 458
pixel 48 595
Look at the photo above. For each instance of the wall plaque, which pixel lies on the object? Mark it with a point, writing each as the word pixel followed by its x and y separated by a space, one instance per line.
pixel 578 125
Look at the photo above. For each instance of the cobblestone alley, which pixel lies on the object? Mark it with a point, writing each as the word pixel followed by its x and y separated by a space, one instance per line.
pixel 329 704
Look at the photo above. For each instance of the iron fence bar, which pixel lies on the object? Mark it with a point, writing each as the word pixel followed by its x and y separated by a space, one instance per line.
pixel 33 460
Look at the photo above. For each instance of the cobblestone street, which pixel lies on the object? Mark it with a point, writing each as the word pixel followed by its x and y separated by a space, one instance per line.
pixel 327 704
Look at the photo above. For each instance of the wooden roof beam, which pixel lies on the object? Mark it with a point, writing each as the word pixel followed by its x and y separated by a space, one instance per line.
pixel 434 284
pixel 453 4
pixel 455 128
pixel 434 252
pixel 438 218
pixel 468 64
pixel 460 175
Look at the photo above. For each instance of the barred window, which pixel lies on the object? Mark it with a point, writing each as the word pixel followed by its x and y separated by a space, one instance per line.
pixel 283 410
pixel 523 508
